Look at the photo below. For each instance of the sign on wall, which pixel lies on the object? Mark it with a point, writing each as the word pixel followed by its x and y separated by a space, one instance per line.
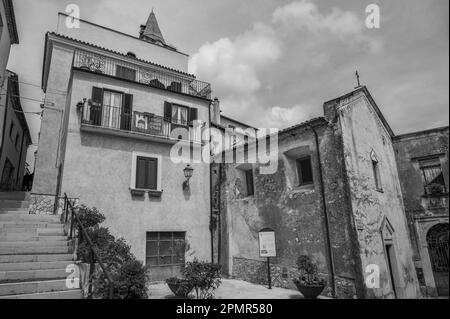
pixel 267 246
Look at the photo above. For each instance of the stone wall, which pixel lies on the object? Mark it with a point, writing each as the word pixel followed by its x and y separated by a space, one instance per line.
pixel 255 271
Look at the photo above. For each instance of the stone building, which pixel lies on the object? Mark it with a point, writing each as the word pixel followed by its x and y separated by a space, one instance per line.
pixel 16 138
pixel 8 37
pixel 422 159
pixel 115 107
pixel 336 196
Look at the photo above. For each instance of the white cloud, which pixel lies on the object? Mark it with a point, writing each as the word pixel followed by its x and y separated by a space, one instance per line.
pixel 243 70
pixel 233 66
pixel 305 15
pixel 282 117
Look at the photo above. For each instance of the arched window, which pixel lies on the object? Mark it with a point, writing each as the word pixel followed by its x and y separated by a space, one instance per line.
pixel 376 171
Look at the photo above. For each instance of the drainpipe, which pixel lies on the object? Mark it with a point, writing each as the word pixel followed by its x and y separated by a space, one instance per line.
pixel 326 218
pixel 211 192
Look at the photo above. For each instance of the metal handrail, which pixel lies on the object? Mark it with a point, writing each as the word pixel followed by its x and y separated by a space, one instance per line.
pixel 148 75
pixel 68 205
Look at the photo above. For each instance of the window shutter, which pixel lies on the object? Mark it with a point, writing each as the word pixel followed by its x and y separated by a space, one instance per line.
pixel 193 116
pixel 96 106
pixel 127 109
pixel 97 96
pixel 140 173
pixel 168 112
pixel 152 172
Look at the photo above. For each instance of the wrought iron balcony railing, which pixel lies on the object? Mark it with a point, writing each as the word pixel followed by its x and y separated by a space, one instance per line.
pixel 153 77
pixel 144 123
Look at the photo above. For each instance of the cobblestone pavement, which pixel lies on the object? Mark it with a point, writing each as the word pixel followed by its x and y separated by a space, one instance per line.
pixel 232 289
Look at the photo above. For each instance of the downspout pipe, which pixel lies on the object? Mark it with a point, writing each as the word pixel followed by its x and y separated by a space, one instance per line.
pixel 211 230
pixel 326 217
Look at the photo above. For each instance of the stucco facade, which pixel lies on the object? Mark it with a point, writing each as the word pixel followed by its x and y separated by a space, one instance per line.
pixel 425 210
pixel 96 160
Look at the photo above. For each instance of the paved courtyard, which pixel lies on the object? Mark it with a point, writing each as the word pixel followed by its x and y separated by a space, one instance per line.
pixel 232 289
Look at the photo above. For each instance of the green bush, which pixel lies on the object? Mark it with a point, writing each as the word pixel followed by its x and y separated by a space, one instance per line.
pixel 128 274
pixel 129 281
pixel 308 272
pixel 90 217
pixel 204 277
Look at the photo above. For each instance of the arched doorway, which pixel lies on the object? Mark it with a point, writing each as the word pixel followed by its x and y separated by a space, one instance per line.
pixel 437 240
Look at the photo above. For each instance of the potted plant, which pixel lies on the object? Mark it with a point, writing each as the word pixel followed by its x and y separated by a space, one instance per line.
pixel 309 284
pixel 180 287
pixel 435 189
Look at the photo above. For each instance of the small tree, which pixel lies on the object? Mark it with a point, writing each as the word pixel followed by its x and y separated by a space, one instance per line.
pixel 204 277
pixel 308 272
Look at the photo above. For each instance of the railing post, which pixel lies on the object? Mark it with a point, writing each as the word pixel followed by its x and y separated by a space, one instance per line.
pixel 66 210
pixel 91 273
pixel 71 224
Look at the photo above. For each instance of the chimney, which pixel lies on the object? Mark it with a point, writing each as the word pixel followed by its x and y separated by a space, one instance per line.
pixel 215 111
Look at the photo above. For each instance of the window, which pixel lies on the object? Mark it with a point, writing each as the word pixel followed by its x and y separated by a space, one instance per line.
pixel 147 173
pixel 376 175
pixel 17 141
pixel 432 175
pixel 304 171
pixel 250 182
pixel 165 249
pixel 11 129
pixel 180 115
pixel 376 171
pixel 125 73
pixel 112 109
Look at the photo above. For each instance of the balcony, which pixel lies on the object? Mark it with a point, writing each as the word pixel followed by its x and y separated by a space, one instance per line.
pixel 152 76
pixel 146 126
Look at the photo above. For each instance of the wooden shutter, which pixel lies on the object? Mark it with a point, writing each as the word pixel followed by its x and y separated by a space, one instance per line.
pixel 127 110
pixel 168 112
pixel 96 106
pixel 193 116
pixel 141 173
pixel 152 173
pixel 147 173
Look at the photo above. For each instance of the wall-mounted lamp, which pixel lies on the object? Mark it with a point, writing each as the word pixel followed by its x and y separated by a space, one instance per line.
pixel 81 104
pixel 188 172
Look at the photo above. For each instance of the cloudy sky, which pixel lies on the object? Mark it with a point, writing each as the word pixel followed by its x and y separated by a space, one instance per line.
pixel 273 63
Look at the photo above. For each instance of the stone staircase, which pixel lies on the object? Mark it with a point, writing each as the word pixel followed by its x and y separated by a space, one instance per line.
pixel 34 253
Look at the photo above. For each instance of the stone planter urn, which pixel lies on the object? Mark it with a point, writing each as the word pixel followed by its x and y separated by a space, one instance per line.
pixel 309 291
pixel 180 287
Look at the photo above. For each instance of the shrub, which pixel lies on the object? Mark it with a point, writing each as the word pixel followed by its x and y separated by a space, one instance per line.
pixel 128 274
pixel 90 217
pixel 308 272
pixel 129 281
pixel 204 277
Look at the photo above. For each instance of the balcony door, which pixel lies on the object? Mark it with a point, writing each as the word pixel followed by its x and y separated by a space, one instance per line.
pixel 112 109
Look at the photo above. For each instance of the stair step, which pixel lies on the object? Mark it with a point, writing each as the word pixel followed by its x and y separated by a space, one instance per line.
pixel 34 250
pixel 29 224
pixel 33 237
pixel 26 266
pixel 35 258
pixel 31 275
pixel 6 204
pixel 61 295
pixel 22 244
pixel 22 196
pixel 33 287
pixel 25 216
